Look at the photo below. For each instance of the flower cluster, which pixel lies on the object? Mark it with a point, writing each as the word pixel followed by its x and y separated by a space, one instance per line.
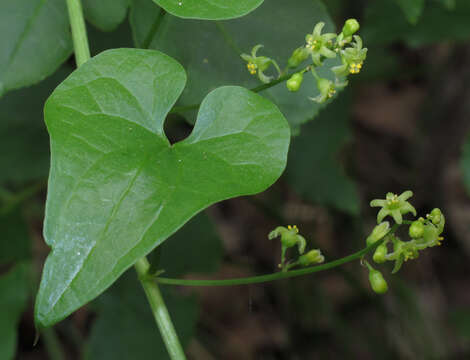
pixel 424 232
pixel 290 237
pixel 318 46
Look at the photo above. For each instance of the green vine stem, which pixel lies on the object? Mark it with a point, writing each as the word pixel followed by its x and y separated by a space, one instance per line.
pixel 277 275
pixel 80 40
pixel 262 87
pixel 160 312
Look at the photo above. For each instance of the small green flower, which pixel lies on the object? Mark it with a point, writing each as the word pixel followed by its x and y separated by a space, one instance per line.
pixel 259 64
pixel 320 45
pixel 289 237
pixel 352 59
pixel 327 90
pixel 394 205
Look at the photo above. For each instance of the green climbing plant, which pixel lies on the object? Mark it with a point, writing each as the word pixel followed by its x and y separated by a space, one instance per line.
pixel 118 188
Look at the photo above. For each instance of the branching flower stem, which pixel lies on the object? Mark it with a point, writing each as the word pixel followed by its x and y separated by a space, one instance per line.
pixel 159 309
pixel 277 275
pixel 257 89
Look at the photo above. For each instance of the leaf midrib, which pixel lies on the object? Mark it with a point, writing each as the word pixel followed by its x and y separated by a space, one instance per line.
pixel 105 229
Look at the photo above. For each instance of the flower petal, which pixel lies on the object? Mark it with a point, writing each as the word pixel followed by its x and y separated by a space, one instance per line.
pixel 382 213
pixel 318 28
pixel 246 57
pixel 378 202
pixel 264 78
pixel 301 243
pixel 405 195
pixel 406 208
pixel 255 49
pixel 327 52
pixel 396 214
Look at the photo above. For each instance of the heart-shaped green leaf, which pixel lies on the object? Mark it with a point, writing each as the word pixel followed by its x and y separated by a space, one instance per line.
pixel 209 9
pixel 117 188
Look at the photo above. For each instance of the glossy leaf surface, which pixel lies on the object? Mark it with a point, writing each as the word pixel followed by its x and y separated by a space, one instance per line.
pixel 35 40
pixel 117 188
pixel 209 9
pixel 210 51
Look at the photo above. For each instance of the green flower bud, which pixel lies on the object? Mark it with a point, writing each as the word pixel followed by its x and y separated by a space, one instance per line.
pixel 416 229
pixel 350 27
pixel 435 216
pixel 431 234
pixel 312 257
pixel 293 84
pixel 377 281
pixel 298 56
pixel 380 253
pixel 378 233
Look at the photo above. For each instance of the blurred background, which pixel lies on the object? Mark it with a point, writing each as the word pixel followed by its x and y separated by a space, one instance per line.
pixel 402 123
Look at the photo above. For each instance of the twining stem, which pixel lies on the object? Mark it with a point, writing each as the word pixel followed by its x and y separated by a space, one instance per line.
pixel 160 312
pixel 278 275
pixel 80 40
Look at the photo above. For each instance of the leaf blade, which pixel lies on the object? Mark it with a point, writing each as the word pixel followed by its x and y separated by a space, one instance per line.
pixel 209 9
pixel 117 188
